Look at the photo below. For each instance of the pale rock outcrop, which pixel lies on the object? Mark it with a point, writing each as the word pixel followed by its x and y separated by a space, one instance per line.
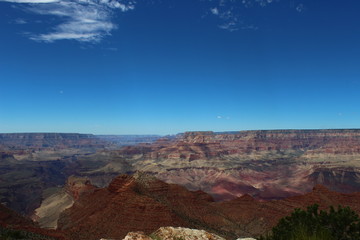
pixel 172 233
pixel 137 236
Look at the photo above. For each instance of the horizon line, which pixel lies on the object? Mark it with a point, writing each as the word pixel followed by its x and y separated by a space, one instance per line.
pixel 169 134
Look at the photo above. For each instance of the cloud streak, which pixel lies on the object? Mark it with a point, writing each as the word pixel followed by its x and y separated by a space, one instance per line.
pixel 222 117
pixel 231 12
pixel 81 20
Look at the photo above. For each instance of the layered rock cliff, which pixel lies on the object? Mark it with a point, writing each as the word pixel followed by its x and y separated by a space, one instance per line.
pixel 133 203
pixel 266 164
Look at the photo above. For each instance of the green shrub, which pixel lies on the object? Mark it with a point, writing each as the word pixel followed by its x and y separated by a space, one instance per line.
pixel 312 224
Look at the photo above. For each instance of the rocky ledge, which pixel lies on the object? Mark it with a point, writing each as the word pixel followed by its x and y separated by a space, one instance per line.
pixel 174 233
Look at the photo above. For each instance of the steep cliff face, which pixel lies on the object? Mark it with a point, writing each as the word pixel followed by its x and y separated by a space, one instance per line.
pixel 142 203
pixel 266 164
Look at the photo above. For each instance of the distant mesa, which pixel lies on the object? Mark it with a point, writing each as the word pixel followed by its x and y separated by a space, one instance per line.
pixel 267 164
pixel 15 141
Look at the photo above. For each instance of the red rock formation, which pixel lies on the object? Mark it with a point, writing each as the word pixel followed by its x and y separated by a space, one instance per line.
pixel 266 164
pixel 77 186
pixel 212 144
pixel 257 216
pixel 142 203
pixel 135 203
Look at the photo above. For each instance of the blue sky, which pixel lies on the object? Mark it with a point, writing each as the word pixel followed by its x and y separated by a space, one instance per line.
pixel 169 66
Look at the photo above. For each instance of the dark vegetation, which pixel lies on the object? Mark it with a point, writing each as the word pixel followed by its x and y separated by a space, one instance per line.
pixel 314 224
pixel 13 234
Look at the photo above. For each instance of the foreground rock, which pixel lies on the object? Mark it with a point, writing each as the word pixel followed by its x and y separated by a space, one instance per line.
pixel 136 236
pixel 171 233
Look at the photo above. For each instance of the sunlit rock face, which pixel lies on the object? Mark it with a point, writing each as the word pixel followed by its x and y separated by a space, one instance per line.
pixel 265 164
pixel 136 236
pixel 170 233
pixel 173 233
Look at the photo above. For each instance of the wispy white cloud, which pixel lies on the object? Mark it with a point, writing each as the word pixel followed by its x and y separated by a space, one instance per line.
pixel 230 26
pixel 214 11
pixel 81 20
pixel 222 117
pixel 20 21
